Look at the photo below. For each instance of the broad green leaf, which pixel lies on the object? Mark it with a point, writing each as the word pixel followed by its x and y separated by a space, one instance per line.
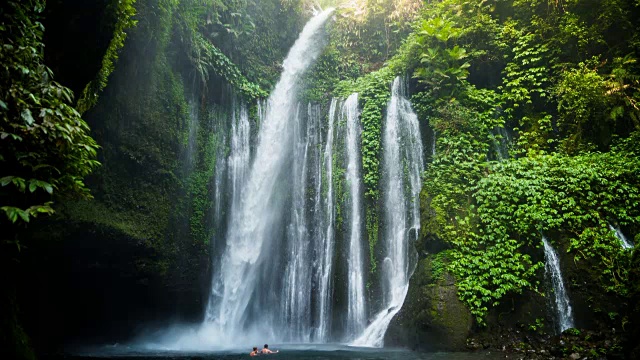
pixel 26 116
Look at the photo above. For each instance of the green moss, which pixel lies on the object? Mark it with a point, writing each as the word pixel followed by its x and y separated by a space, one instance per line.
pixel 124 13
pixel 372 224
pixel 148 226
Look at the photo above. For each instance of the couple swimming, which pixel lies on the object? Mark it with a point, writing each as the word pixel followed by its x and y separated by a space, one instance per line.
pixel 264 351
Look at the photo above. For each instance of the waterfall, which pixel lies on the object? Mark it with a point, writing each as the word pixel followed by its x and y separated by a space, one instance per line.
pixel 623 239
pixel 238 161
pixel 403 164
pixel 245 300
pixel 356 319
pixel 325 233
pixel 232 171
pixel 433 145
pixel 564 315
pixel 297 276
pixel 218 185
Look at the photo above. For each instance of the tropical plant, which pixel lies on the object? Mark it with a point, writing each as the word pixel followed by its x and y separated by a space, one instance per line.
pixel 46 147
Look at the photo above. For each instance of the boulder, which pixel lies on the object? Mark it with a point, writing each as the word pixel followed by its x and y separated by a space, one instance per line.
pixel 432 317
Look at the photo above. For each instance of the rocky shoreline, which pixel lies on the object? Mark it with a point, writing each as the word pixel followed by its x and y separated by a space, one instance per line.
pixel 572 344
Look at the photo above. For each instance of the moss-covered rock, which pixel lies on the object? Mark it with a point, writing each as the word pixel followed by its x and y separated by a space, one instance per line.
pixel 432 318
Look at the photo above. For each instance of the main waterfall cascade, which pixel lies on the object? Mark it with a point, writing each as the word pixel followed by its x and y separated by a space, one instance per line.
pixel 560 300
pixel 403 164
pixel 289 250
pixel 245 299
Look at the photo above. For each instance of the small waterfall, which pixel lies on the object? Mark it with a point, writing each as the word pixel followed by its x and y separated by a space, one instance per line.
pixel 433 145
pixel 356 319
pixel 564 314
pixel 325 234
pixel 623 239
pixel 403 164
pixel 219 186
pixel 240 153
pixel 245 300
pixel 231 171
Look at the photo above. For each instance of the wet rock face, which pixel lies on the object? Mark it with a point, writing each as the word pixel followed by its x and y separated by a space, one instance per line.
pixel 108 289
pixel 432 318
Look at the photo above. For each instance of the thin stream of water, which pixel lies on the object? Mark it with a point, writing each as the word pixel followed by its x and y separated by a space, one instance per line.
pixel 560 298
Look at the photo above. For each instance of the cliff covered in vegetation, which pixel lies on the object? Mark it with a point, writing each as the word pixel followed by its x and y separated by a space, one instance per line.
pixel 530 120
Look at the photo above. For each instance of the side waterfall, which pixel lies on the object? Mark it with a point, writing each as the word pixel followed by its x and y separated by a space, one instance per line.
pixel 403 164
pixel 623 239
pixel 564 313
pixel 325 234
pixel 245 301
pixel 230 172
pixel 304 233
pixel 297 279
pixel 356 318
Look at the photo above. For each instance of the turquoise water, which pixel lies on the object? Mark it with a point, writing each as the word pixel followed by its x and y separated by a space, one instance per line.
pixel 293 352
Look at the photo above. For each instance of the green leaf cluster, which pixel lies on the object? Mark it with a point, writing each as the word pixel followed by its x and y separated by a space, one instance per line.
pixel 46 147
pixel 206 57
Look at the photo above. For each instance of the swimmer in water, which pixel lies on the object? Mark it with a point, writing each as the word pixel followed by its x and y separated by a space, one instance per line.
pixel 255 351
pixel 266 350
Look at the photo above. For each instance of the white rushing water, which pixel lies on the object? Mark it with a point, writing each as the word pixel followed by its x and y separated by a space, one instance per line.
pixel 356 317
pixel 403 164
pixel 325 234
pixel 560 300
pixel 623 239
pixel 239 156
pixel 243 304
pixel 297 277
pixel 235 168
pixel 285 189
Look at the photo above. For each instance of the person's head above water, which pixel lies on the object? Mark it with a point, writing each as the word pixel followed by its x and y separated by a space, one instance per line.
pixel 255 348
pixel 266 346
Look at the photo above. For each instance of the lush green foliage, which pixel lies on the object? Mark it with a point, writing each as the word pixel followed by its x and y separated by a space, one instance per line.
pixel 163 122
pixel 493 214
pixel 46 147
pixel 143 125
pixel 374 92
pixel 221 38
pixel 124 13
pixel 538 86
pixel 206 57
